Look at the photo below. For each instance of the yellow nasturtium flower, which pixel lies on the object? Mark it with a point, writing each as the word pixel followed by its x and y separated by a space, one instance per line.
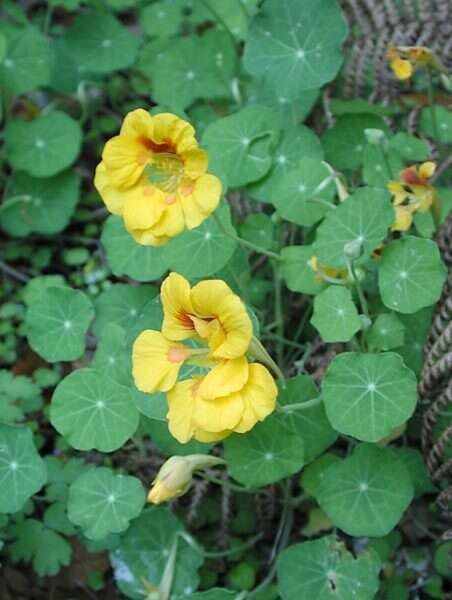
pixel 176 476
pixel 155 176
pixel 412 193
pixel 234 394
pixel 405 60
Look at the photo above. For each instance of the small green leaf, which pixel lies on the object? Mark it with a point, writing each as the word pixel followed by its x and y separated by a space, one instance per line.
pixel 387 332
pixel 268 453
pixel 297 271
pixel 293 51
pixel 93 411
pixel 112 356
pixel 365 217
pixel 203 251
pixel 18 394
pixel 57 322
pixel 27 62
pixel 22 470
pixel 39 205
pixel 100 44
pixel 242 144
pixel 443 118
pixel 140 559
pixel 121 304
pixel 48 550
pixel 325 570
pixel 304 195
pixel 345 143
pixel 381 165
pixel 417 327
pixel 311 424
pixel 45 146
pixel 367 493
pixel 314 473
pixel 161 19
pixel 335 316
pixel 414 462
pixel 295 143
pixel 368 395
pixel 194 67
pixel 409 146
pixel 411 274
pixel 126 257
pixel 257 228
pixel 101 502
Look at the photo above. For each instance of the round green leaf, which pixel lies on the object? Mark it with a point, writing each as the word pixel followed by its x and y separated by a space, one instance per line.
pixel 291 112
pixel 101 502
pixel 417 327
pixel 45 146
pixel 314 473
pixel 257 228
pixel 41 205
pixel 297 271
pixel 121 304
pixel 140 559
pixel 113 357
pixel 365 217
pixel 381 165
pixel 100 44
pixel 192 68
pixel 443 119
pixel 368 395
pixel 268 453
pixel 57 322
pixel 367 493
pixel 93 411
pixel 205 250
pixel 292 50
pixel 411 274
pixel 345 143
pixel 161 19
pixel 326 570
pixel 295 143
pixel 335 316
pixel 126 257
pixel 302 196
pixel 386 333
pixel 311 424
pixel 27 62
pixel 22 470
pixel 409 146
pixel 242 143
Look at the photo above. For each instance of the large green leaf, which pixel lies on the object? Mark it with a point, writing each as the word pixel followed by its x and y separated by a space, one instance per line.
pixel 57 322
pixel 45 146
pixel 100 44
pixel 192 68
pixel 387 332
pixel 22 470
pixel 296 45
pixel 311 424
pixel 101 502
pixel 411 274
pixel 335 316
pixel 367 493
pixel 27 62
pixel 304 195
pixel 325 570
pixel 41 205
pixel 126 257
pixel 364 217
pixel 269 452
pixel 92 411
pixel 242 144
pixel 368 395
pixel 205 250
pixel 140 559
pixel 295 143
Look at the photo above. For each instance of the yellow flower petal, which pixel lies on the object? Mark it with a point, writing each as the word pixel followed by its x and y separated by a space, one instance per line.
pixel 171 128
pixel 225 378
pixel 138 123
pixel 427 169
pixel 143 208
pixel 156 361
pixel 181 404
pixel 207 437
pixel 171 222
pixel 124 158
pixel 402 68
pixel 177 308
pixel 259 395
pixel 219 414
pixel 199 199
pixel 113 198
pixel 195 162
pixel 404 218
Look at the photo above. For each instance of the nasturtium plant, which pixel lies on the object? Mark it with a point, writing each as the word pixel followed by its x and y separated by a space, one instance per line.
pixel 224 301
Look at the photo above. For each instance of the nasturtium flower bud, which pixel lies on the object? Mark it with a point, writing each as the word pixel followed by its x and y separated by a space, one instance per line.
pixel 155 176
pixel 176 475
